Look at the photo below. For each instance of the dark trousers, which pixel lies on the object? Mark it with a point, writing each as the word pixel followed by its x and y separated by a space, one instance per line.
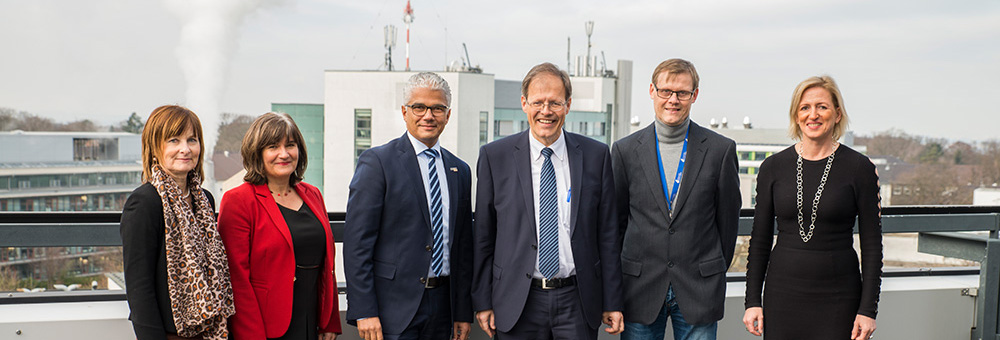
pixel 433 318
pixel 551 314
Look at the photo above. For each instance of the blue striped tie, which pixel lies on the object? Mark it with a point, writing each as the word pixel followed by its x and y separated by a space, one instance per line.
pixel 548 219
pixel 437 226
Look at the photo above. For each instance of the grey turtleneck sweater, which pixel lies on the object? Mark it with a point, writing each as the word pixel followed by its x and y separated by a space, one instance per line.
pixel 671 139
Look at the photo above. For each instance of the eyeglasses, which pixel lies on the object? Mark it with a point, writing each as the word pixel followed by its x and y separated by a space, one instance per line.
pixel 665 94
pixel 421 109
pixel 554 106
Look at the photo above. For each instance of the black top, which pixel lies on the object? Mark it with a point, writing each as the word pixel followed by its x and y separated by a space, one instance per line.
pixel 144 255
pixel 851 193
pixel 308 237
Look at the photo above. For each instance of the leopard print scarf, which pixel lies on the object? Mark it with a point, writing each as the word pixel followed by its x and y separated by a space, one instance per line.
pixel 201 296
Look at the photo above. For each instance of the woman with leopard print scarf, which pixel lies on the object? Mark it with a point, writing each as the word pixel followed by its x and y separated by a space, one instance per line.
pixel 177 277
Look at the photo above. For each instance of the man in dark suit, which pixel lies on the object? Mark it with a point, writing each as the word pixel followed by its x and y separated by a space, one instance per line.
pixel 408 229
pixel 547 262
pixel 678 208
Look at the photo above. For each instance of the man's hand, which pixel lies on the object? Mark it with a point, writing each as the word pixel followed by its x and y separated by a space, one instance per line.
pixel 460 331
pixel 753 320
pixel 614 322
pixel 327 336
pixel 485 318
pixel 370 328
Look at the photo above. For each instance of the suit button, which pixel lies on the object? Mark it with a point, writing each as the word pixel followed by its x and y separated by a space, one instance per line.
pixel 423 280
pixel 428 248
pixel 534 246
pixel 671 230
pixel 527 275
pixel 670 264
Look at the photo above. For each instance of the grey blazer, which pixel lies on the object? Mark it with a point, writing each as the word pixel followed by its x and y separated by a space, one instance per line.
pixel 690 251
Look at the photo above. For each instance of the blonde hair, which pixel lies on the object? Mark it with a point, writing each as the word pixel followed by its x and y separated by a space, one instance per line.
pixel 674 67
pixel 164 122
pixel 825 82
pixel 269 129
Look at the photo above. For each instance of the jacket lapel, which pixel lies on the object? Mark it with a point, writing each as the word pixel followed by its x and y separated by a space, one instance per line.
pixel 692 165
pixel 522 165
pixel 318 209
pixel 575 156
pixel 264 198
pixel 411 172
pixel 645 152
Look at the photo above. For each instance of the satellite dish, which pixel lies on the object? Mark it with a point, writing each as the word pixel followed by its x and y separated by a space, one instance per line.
pixel 634 121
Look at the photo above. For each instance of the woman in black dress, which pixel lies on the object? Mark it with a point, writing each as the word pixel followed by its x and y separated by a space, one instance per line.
pixel 278 241
pixel 815 189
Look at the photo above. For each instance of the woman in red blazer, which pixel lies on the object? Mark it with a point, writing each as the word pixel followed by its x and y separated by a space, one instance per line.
pixel 278 241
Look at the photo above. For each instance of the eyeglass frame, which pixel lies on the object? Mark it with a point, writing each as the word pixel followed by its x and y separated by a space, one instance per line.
pixel 689 94
pixel 425 108
pixel 541 105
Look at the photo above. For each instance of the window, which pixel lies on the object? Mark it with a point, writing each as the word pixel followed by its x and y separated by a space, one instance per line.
pixel 503 128
pixel 484 126
pixel 95 149
pixel 362 132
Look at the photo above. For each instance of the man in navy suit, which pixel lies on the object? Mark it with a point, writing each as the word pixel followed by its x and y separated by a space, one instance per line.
pixel 547 262
pixel 408 229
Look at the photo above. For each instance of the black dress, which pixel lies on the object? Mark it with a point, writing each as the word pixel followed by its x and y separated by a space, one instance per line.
pixel 814 289
pixel 308 240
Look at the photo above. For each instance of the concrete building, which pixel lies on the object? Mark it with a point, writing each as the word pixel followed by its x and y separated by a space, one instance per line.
pixel 65 171
pixel 362 109
pixel 68 171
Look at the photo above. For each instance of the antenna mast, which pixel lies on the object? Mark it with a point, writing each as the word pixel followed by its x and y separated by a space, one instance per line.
pixel 589 26
pixel 408 19
pixel 390 43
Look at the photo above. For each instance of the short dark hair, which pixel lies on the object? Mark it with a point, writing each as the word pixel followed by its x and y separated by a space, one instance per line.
pixel 269 129
pixel 550 69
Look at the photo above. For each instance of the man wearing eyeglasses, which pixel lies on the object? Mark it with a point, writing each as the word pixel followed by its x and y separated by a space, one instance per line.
pixel 678 208
pixel 547 262
pixel 408 229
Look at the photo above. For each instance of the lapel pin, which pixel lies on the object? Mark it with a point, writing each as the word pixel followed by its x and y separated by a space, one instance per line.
pixel 454 169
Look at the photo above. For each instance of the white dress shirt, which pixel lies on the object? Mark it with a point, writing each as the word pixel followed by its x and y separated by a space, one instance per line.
pixel 560 163
pixel 422 160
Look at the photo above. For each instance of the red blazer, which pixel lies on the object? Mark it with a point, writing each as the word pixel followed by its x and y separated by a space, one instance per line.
pixel 262 262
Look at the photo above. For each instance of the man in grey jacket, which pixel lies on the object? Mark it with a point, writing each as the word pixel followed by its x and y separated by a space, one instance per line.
pixel 678 207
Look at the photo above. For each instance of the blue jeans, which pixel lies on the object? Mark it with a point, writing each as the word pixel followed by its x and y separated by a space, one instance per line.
pixel 682 330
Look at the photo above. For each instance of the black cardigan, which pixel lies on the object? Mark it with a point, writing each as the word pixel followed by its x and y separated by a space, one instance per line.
pixel 145 257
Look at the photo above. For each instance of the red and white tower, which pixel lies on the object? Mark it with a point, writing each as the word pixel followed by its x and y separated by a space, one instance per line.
pixel 408 18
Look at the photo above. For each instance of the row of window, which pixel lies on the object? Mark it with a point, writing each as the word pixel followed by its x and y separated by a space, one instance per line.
pixel 753 155
pixel 22 182
pixel 89 202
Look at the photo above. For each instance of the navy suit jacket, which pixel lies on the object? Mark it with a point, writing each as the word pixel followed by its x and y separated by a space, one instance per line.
pixel 387 236
pixel 506 243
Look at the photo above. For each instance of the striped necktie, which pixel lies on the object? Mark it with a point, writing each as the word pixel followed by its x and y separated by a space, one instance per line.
pixel 437 226
pixel 548 219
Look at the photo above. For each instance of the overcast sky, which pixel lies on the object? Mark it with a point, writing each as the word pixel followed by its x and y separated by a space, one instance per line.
pixel 930 68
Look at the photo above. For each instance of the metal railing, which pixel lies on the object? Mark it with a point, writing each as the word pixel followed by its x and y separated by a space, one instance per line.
pixel 938 227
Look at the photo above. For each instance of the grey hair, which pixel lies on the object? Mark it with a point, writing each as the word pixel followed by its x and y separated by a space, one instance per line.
pixel 429 80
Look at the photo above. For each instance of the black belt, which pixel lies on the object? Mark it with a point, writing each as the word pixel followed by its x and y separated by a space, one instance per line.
pixel 554 282
pixel 434 282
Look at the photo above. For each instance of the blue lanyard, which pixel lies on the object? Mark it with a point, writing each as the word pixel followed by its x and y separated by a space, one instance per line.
pixel 680 169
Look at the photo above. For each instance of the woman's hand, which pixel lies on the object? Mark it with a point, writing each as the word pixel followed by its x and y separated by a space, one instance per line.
pixel 327 336
pixel 753 319
pixel 864 328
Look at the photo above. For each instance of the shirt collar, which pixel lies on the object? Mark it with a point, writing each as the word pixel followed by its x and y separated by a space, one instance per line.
pixel 419 147
pixel 558 148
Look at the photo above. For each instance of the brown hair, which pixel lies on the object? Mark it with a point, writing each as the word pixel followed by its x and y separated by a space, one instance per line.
pixel 164 122
pixel 826 82
pixel 550 69
pixel 269 129
pixel 677 66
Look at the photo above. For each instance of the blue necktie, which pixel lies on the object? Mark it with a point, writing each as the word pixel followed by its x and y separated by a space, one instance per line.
pixel 548 219
pixel 437 226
